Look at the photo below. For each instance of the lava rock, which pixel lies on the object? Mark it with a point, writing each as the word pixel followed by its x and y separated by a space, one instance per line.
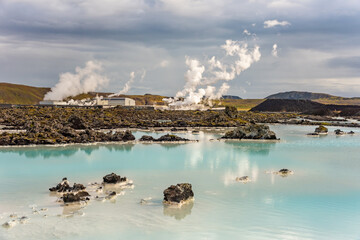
pixel 178 193
pixel 64 186
pixel 77 122
pixel 113 178
pixel 251 131
pixel 321 130
pixel 171 138
pixel 339 132
pixel 146 138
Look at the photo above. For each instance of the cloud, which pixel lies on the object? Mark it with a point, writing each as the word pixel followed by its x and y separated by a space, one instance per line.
pixel 345 62
pixel 274 23
pixel 274 51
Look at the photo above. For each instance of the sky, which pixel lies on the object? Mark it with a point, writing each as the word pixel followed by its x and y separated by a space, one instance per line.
pixel 142 45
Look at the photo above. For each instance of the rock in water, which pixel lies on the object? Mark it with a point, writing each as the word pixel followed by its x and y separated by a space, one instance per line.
pixel 321 130
pixel 64 186
pixel 71 197
pixel 178 194
pixel 339 132
pixel 113 178
pixel 243 179
pixel 251 131
pixel 146 138
pixel 171 138
pixel 285 172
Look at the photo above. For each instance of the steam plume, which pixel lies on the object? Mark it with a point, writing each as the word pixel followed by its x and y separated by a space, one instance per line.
pixel 200 77
pixel 274 51
pixel 85 80
pixel 126 87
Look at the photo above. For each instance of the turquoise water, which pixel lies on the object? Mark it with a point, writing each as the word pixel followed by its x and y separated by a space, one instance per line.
pixel 320 201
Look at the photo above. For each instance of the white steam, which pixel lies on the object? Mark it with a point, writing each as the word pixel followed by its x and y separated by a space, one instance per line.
pixel 84 80
pixel 199 78
pixel 274 51
pixel 126 87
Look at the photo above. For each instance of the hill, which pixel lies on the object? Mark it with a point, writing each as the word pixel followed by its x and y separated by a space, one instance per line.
pixel 21 94
pixel 230 97
pixel 295 95
pixel 306 107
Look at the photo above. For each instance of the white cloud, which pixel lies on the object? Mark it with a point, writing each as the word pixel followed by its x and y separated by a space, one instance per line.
pixel 274 23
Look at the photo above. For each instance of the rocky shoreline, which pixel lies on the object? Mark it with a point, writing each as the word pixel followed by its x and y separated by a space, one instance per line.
pixel 52 126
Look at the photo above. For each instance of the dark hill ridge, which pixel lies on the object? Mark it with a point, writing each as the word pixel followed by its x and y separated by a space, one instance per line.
pixel 306 107
pixel 230 97
pixel 295 95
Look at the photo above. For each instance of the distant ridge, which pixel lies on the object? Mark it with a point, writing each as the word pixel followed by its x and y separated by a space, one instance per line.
pixel 21 94
pixel 230 97
pixel 306 107
pixel 296 95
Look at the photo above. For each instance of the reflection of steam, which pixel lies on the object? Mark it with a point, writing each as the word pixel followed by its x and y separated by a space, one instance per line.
pixel 243 169
pixel 85 80
pixel 215 71
pixel 179 213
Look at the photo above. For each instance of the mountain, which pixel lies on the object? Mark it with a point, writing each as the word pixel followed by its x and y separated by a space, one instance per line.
pixel 230 97
pixel 21 94
pixel 295 95
pixel 306 107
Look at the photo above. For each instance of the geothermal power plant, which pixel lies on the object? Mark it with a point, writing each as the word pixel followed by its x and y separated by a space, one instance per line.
pixel 97 101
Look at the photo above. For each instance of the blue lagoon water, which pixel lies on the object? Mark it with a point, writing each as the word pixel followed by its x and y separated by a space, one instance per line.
pixel 320 201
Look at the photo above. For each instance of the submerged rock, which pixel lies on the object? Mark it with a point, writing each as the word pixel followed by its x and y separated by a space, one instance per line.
pixel 251 131
pixel 178 194
pixel 113 178
pixel 243 179
pixel 71 197
pixel 111 196
pixel 339 132
pixel 285 172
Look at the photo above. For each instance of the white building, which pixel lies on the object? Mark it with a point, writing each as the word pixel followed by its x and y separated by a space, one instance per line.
pixel 53 102
pixel 116 101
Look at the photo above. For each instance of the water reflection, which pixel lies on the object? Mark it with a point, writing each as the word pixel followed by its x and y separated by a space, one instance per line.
pixel 63 151
pixel 262 148
pixel 178 212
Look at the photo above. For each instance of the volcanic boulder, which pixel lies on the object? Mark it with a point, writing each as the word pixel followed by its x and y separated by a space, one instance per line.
pixel 321 130
pixel 251 131
pixel 146 138
pixel 64 186
pixel 178 193
pixel 113 178
pixel 171 138
pixel 71 197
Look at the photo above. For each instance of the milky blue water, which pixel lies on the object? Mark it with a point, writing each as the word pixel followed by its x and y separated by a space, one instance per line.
pixel 320 201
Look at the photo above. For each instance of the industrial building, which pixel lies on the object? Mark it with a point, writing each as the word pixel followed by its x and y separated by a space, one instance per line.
pixel 53 103
pixel 117 101
pixel 96 102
